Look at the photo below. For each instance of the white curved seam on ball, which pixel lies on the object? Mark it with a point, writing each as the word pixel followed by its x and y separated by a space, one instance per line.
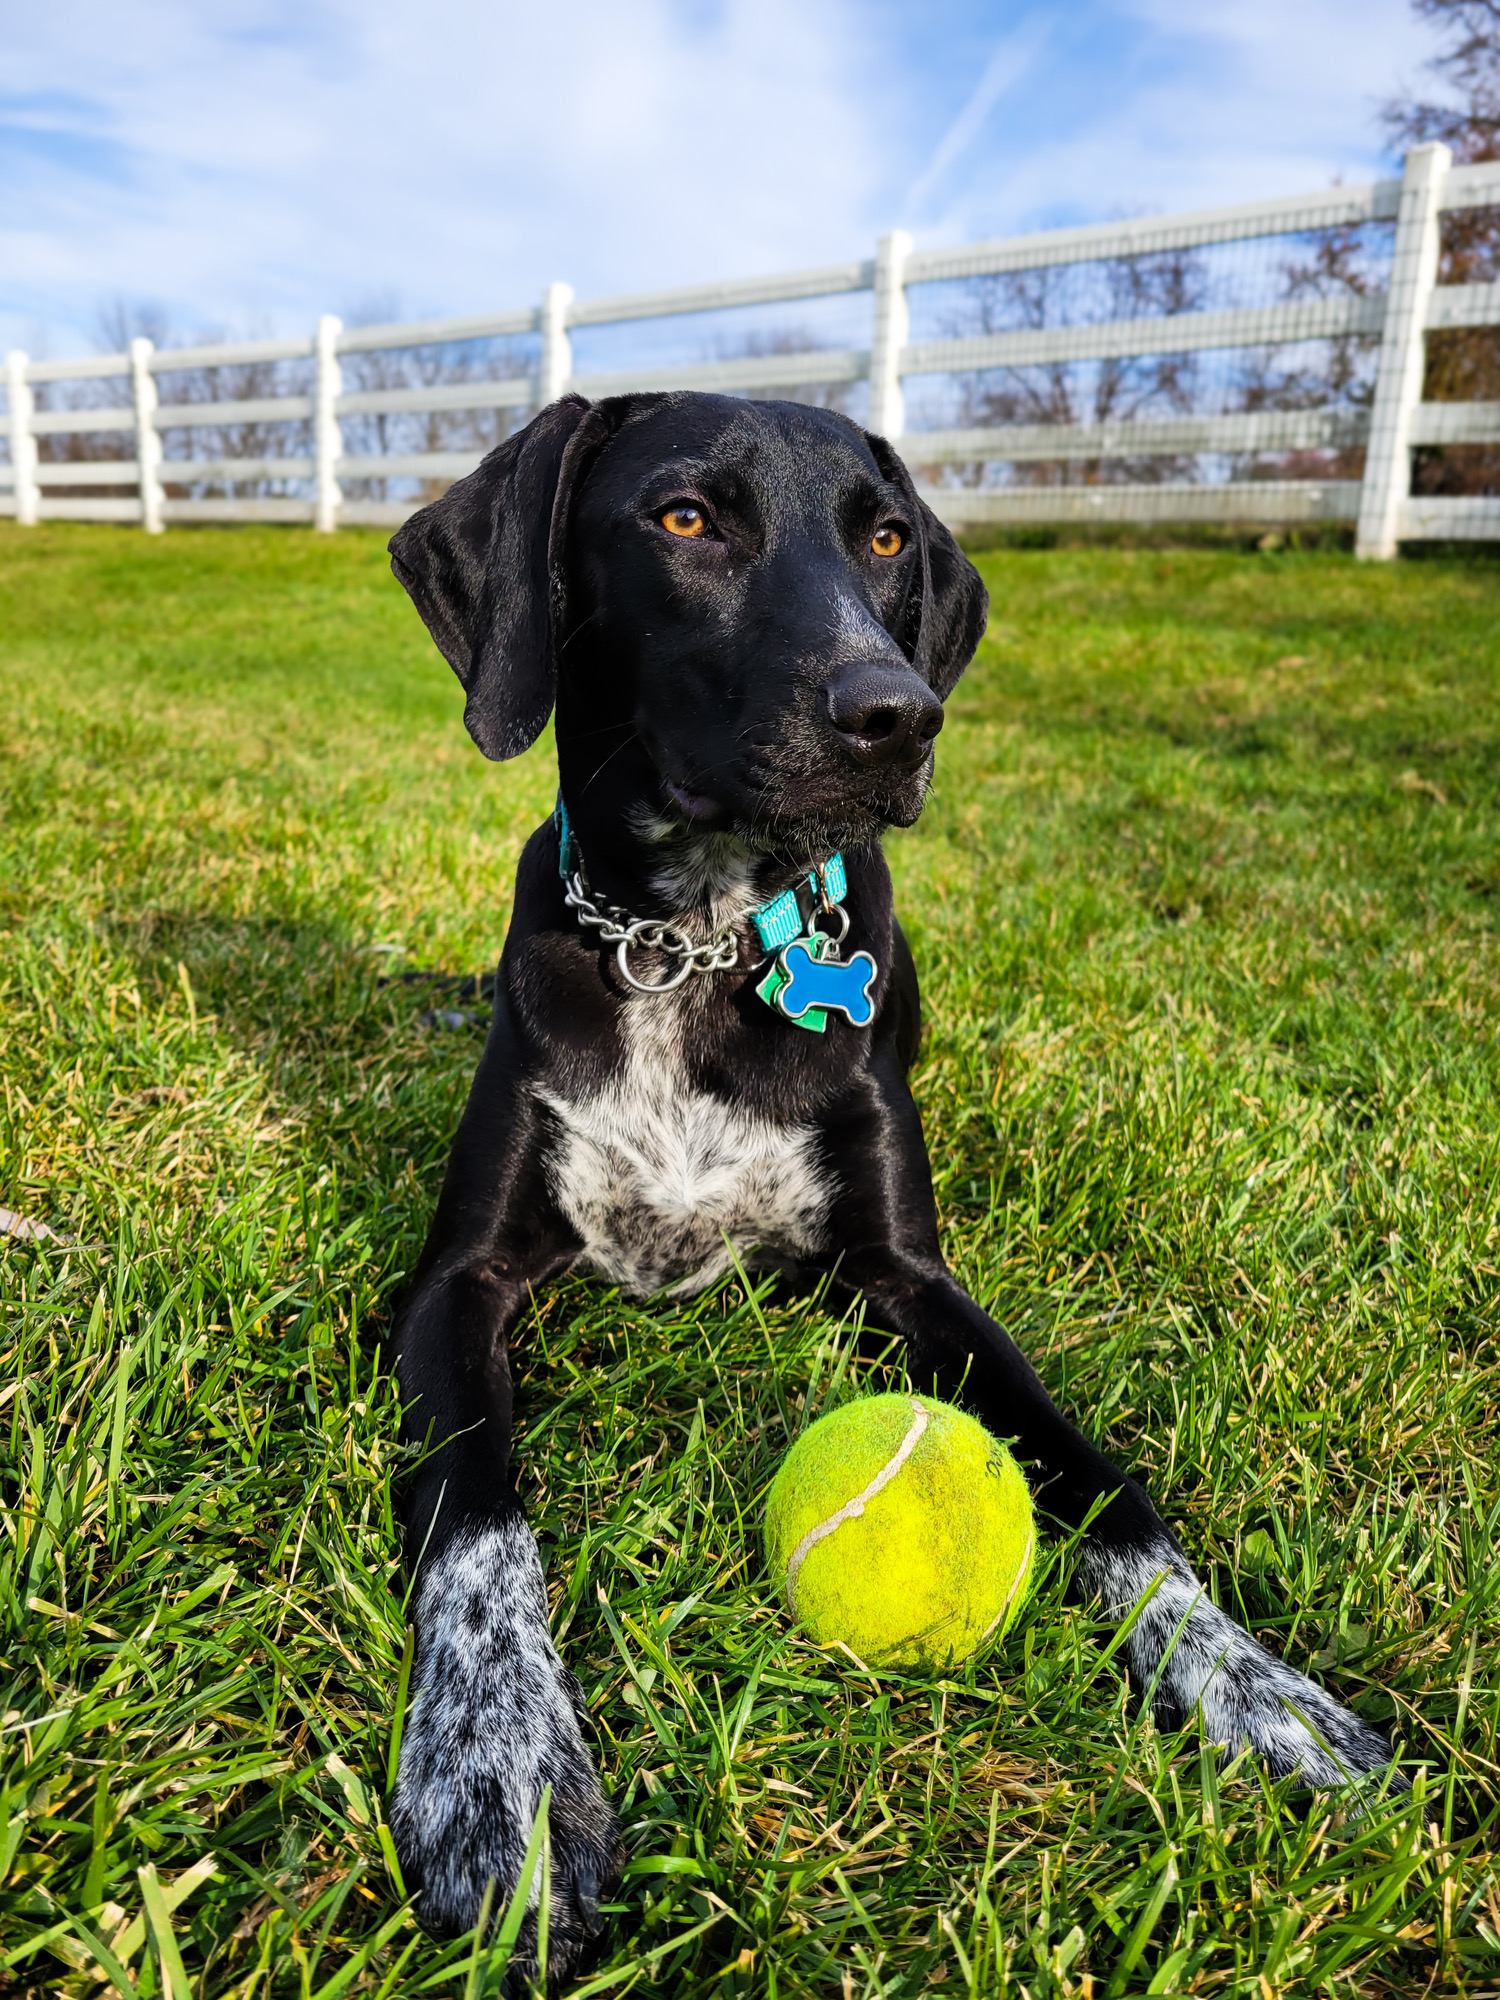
pixel 852 1509
pixel 1010 1596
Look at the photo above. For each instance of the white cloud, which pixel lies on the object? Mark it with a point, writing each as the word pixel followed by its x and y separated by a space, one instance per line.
pixel 459 154
pixel 254 162
pixel 1204 105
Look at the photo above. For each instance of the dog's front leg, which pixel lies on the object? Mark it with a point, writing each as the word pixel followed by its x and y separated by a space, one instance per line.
pixel 494 1717
pixel 1181 1649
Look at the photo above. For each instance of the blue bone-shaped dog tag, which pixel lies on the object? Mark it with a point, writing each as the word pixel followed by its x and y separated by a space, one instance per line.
pixel 824 983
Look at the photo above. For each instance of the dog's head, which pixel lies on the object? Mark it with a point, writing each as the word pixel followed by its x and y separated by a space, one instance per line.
pixel 747 618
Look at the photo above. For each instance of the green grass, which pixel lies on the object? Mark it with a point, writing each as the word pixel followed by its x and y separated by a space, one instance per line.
pixel 1205 908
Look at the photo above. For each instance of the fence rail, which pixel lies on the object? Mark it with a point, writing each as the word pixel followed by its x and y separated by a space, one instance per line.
pixel 137 395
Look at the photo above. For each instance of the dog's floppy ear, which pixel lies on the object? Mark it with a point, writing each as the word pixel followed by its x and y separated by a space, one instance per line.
pixel 948 605
pixel 955 607
pixel 479 565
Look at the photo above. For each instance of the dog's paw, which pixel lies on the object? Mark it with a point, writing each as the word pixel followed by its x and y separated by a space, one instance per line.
pixel 1198 1661
pixel 494 1721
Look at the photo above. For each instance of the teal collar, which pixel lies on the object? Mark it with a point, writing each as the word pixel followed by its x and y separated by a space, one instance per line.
pixel 779 922
pixel 790 914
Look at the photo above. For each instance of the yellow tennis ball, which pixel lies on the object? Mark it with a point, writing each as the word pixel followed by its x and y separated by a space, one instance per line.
pixel 901 1527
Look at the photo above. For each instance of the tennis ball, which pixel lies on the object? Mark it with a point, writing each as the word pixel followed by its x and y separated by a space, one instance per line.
pixel 900 1526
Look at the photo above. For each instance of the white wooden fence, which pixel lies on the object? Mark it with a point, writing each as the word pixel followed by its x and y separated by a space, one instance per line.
pixel 35 486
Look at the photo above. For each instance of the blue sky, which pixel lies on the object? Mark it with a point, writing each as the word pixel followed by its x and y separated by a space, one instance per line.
pixel 247 164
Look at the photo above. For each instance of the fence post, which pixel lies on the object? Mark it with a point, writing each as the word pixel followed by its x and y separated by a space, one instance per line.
pixel 22 440
pixel 147 436
pixel 1403 352
pixel 556 367
pixel 887 413
pixel 328 439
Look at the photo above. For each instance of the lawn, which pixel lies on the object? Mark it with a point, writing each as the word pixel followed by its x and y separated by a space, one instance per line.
pixel 1205 906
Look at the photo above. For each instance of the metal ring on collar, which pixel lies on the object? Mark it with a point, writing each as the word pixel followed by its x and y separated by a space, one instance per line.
pixel 832 910
pixel 622 959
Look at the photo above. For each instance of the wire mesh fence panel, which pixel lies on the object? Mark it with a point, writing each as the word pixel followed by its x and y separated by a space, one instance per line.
pixel 234 429
pixel 1346 261
pixel 1321 357
pixel 380 439
pixel 832 331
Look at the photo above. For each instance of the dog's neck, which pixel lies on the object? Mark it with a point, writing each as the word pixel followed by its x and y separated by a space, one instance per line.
pixel 644 858
pixel 693 871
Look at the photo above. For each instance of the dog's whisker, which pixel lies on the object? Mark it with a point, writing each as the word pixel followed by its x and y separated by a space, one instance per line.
pixel 599 769
pixel 576 633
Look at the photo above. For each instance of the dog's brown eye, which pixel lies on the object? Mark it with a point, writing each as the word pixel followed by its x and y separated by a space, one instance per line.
pixel 685 521
pixel 888 541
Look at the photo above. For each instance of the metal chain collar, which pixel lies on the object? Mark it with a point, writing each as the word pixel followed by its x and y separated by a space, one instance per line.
pixel 627 933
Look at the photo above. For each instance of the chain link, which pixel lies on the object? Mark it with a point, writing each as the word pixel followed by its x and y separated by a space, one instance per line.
pixel 627 933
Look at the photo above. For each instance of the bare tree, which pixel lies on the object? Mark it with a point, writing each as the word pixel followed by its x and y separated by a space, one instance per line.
pixel 189 447
pixel 1468 120
pixel 1151 284
pixel 117 323
pixel 759 342
pixel 1463 363
pixel 376 433
pixel 185 446
pixel 1337 373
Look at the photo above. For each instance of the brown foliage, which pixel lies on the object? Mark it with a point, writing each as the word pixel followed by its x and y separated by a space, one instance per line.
pixel 1463 364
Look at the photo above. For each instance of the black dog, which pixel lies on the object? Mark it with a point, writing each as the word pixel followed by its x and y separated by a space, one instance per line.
pixel 748 622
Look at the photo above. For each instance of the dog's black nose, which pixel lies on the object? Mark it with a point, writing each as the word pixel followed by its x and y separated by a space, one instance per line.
pixel 885 715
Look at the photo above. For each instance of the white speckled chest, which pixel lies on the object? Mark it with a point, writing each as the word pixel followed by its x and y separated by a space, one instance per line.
pixel 654 1174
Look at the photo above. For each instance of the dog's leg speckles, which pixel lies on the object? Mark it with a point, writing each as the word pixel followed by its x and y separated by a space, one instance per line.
pixel 494 1720
pixel 1200 1661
